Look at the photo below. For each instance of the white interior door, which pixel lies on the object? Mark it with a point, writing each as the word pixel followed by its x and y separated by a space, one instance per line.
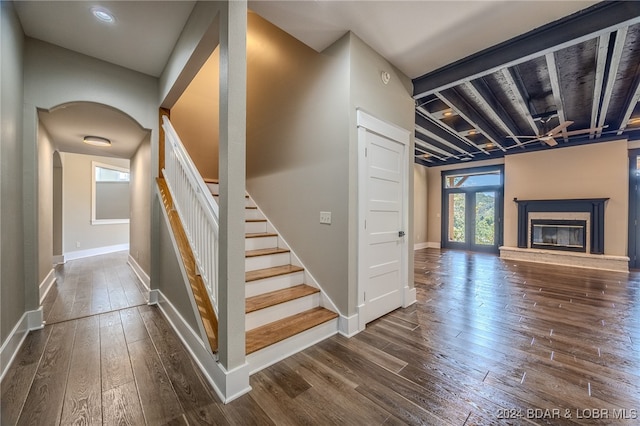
pixel 383 244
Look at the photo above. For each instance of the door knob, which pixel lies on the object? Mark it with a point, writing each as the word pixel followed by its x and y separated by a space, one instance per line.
pixel 400 233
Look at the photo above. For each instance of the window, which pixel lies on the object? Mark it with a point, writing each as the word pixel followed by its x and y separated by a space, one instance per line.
pixel 468 180
pixel 109 194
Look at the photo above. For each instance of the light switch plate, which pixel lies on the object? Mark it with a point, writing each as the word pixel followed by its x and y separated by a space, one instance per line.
pixel 325 217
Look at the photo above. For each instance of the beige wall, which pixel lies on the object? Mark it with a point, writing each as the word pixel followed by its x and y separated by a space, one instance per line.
pixel 45 203
pixel 77 206
pixel 420 211
pixel 196 120
pixel 140 202
pixel 589 171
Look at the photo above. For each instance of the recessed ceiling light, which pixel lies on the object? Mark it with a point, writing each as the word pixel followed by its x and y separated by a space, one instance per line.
pixel 447 113
pixel 103 15
pixel 96 141
pixel 635 120
pixel 472 132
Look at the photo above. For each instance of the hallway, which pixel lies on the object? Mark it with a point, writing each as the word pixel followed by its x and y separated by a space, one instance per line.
pixel 489 342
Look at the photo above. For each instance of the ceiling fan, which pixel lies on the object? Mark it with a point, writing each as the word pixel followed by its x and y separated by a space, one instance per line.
pixel 549 137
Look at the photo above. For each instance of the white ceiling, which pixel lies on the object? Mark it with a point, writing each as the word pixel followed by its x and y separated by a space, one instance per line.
pixel 415 36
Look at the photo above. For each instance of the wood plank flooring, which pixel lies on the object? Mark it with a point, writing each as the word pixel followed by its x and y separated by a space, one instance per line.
pixel 489 342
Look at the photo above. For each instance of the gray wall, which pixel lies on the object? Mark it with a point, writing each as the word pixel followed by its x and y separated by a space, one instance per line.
pixel 392 103
pixel 45 203
pixel 76 196
pixel 170 280
pixel 12 296
pixel 298 147
pixel 140 221
pixel 57 204
pixel 55 76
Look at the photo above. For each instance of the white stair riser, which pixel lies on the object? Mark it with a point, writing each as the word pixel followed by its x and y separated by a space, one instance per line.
pixel 260 243
pixel 280 311
pixel 255 227
pixel 254 288
pixel 268 261
pixel 214 188
pixel 253 214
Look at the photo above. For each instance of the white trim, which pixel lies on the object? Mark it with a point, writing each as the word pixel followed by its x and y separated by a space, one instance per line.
pixel 58 259
pixel 564 258
pixel 31 320
pixel 228 385
pixel 140 273
pixel 409 296
pixel 79 254
pixel 427 244
pixel 368 123
pixel 349 326
pixel 46 284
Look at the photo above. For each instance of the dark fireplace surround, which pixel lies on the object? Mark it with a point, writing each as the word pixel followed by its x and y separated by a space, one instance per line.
pixel 593 206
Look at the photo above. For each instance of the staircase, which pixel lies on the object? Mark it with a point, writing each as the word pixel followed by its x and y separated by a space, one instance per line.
pixel 284 308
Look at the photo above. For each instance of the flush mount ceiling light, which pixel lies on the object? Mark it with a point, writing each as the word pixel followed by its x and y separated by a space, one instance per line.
pixel 96 141
pixel 103 15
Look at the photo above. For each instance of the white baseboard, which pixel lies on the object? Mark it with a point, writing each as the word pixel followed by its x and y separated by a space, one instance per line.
pixel 31 320
pixel 433 244
pixel 46 284
pixel 140 273
pixel 409 296
pixel 418 246
pixel 79 254
pixel 348 326
pixel 58 259
pixel 228 385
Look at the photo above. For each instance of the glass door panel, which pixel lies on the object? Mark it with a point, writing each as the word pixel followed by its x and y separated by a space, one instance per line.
pixel 457 218
pixel 485 218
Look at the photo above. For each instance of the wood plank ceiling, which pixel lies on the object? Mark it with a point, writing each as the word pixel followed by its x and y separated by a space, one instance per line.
pixel 584 68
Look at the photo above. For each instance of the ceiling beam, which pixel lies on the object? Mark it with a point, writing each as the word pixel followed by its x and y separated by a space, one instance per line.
pixel 612 73
pixel 466 111
pixel 429 128
pixel 437 142
pixel 555 88
pixel 632 101
pixel 453 132
pixel 428 148
pixel 574 29
pixel 601 64
pixel 517 90
pixel 492 107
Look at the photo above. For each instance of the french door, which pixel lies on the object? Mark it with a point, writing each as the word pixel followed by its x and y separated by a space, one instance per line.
pixel 472 207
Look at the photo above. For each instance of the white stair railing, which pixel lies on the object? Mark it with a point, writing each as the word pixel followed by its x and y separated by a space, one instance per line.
pixel 196 208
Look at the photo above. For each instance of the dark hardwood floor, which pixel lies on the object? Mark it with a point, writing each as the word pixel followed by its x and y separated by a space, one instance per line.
pixel 489 342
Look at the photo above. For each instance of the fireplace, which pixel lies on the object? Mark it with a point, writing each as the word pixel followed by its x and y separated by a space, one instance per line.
pixel 592 230
pixel 566 235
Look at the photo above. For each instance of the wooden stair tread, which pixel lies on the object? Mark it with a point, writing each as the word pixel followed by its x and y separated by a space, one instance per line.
pixel 207 180
pixel 261 337
pixel 265 252
pixel 256 220
pixel 260 234
pixel 275 271
pixel 278 296
pixel 251 208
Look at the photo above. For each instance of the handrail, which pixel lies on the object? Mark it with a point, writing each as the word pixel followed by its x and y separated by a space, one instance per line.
pixel 196 208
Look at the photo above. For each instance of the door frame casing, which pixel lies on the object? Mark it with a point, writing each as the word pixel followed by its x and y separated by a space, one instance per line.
pixel 369 123
pixel 634 211
pixel 499 227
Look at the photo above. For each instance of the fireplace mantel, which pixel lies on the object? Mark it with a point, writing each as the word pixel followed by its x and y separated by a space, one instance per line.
pixel 593 206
